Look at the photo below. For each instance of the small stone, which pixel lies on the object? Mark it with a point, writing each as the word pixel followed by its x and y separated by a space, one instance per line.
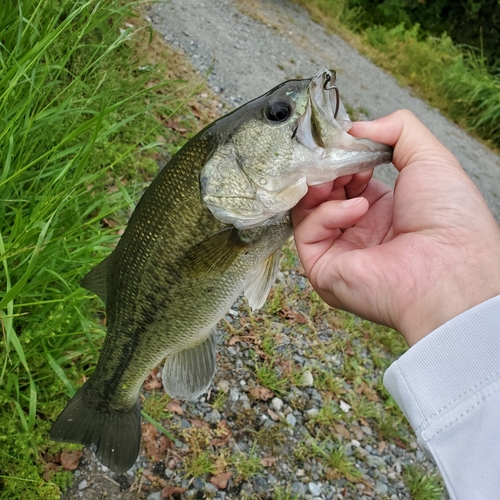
pixel 345 407
pixel 355 443
pixel 234 394
pixel 298 489
pixel 154 496
pixel 213 417
pixel 210 489
pixel 198 483
pixel 223 386
pixel 307 379
pixel 83 484
pixel 413 445
pixel 246 489
pixel 185 424
pixel 291 420
pixel 313 412
pixel 381 488
pixel 315 489
pixel 260 485
pixel 277 404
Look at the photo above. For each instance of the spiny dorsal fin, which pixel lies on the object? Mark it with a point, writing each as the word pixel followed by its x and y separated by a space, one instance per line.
pixel 188 373
pixel 261 281
pixel 215 254
pixel 95 281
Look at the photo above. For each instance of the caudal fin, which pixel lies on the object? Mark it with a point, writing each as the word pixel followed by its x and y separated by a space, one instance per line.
pixel 116 435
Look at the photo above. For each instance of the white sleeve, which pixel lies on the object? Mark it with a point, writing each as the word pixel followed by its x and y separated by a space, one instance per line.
pixel 448 386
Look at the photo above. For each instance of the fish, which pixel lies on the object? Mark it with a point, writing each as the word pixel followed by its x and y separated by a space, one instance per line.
pixel 210 226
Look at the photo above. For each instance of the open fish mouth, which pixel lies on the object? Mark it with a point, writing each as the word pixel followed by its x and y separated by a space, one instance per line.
pixel 325 122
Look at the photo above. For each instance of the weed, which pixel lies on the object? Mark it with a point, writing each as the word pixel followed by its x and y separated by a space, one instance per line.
pixel 199 464
pixel 220 400
pixel 267 376
pixel 338 461
pixel 422 485
pixel 154 404
pixel 246 466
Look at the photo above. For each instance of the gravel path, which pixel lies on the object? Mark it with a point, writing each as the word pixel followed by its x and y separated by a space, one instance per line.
pixel 249 55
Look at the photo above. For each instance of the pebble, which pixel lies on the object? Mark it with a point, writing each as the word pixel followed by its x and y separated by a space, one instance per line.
pixel 307 379
pixel 213 417
pixel 210 489
pixel 381 488
pixel 234 394
pixel 313 412
pixel 223 386
pixel 83 484
pixel 298 489
pixel 291 420
pixel 154 496
pixel 315 489
pixel 277 404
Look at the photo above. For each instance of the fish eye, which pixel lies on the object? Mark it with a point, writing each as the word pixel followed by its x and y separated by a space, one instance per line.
pixel 278 111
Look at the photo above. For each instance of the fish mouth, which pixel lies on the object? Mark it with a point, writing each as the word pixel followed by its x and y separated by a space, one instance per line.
pixel 325 123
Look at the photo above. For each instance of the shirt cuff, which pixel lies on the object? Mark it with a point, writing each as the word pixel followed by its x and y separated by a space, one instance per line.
pixel 448 366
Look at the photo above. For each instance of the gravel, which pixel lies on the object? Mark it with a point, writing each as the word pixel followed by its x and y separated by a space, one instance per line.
pixel 248 55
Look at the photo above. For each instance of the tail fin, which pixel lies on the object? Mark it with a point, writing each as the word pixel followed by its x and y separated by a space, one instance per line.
pixel 116 434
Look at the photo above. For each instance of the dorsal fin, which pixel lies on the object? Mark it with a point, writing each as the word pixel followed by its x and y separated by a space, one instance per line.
pixel 261 281
pixel 96 280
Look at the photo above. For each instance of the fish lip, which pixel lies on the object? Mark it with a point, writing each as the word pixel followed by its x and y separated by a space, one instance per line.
pixel 323 106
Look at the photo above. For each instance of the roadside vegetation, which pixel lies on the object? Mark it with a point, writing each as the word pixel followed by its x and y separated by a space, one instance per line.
pixel 457 70
pixel 87 110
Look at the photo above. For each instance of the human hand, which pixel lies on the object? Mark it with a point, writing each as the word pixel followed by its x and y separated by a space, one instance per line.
pixel 412 258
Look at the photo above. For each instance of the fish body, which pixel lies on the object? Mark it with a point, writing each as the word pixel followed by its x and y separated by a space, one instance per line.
pixel 210 226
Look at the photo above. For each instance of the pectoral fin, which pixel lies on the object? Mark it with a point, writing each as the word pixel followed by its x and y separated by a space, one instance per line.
pixel 215 254
pixel 261 281
pixel 95 280
pixel 188 373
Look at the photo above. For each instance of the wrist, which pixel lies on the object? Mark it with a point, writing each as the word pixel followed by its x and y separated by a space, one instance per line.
pixel 455 292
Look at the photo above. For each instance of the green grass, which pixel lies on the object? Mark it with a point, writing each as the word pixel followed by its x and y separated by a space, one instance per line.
pixel 455 79
pixel 422 485
pixel 78 136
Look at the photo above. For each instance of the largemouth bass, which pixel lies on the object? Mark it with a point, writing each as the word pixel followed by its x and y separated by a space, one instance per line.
pixel 210 226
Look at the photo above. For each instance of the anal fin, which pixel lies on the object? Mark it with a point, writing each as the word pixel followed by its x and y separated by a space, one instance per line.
pixel 187 374
pixel 261 281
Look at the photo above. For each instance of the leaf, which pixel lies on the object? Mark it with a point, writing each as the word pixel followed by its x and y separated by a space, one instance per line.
pixel 273 415
pixel 50 469
pixel 220 480
pixel 293 316
pixel 152 382
pixel 268 461
pixel 342 431
pixel 175 407
pixel 223 434
pixel 71 459
pixel 170 491
pixel 262 393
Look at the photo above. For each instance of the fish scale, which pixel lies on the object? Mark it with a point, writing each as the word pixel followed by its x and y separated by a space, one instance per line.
pixel 210 225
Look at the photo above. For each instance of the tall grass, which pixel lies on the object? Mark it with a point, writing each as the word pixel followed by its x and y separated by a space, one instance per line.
pixel 453 78
pixel 76 117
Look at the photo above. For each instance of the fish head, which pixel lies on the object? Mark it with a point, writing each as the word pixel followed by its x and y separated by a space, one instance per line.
pixel 267 152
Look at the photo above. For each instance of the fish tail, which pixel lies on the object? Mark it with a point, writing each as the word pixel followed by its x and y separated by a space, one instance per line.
pixel 115 434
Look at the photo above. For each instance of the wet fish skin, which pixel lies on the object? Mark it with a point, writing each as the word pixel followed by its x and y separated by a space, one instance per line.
pixel 210 225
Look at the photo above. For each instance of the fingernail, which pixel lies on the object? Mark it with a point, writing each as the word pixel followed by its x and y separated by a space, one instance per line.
pixel 351 203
